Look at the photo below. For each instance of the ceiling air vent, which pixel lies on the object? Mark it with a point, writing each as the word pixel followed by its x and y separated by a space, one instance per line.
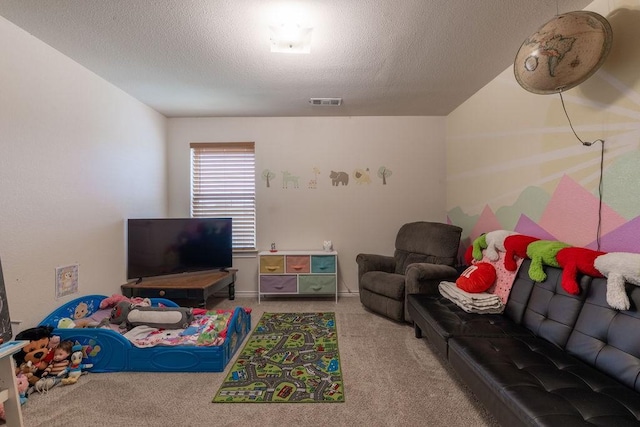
pixel 327 102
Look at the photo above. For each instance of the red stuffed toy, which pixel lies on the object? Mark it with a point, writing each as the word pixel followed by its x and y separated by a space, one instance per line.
pixel 577 260
pixel 468 256
pixel 516 246
pixel 477 278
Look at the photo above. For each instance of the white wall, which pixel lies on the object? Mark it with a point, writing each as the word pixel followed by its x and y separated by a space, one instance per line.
pixel 357 217
pixel 77 156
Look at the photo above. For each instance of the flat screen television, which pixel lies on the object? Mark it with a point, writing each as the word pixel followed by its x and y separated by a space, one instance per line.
pixel 163 246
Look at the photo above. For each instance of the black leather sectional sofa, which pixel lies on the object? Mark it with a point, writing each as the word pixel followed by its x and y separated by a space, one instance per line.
pixel 551 359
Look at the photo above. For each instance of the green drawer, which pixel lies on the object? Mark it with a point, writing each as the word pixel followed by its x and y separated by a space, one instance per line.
pixel 323 263
pixel 316 284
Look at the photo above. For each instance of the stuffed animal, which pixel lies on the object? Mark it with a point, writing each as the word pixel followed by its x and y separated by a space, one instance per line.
pixel 50 376
pixel 75 368
pixel 34 353
pixel 129 316
pixel 516 246
pixel 577 260
pixel 478 245
pixel 116 298
pixel 23 385
pixel 543 252
pixel 477 278
pixel 67 323
pixel 468 255
pixel 495 243
pixel 618 268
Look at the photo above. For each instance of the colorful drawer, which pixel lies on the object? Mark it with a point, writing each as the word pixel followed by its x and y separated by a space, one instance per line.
pixel 297 263
pixel 272 264
pixel 316 284
pixel 323 264
pixel 278 284
pixel 302 273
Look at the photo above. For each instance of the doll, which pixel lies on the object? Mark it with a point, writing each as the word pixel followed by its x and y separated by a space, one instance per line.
pixel 56 368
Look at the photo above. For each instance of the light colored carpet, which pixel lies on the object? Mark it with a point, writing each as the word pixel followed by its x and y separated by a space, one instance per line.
pixel 391 379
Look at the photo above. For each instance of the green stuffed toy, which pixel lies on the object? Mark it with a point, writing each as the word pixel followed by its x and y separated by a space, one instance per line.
pixel 478 245
pixel 543 252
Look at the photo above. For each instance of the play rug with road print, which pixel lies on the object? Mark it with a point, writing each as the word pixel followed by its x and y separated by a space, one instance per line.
pixel 289 357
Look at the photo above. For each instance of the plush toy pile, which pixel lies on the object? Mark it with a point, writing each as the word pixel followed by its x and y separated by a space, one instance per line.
pixel 618 267
pixel 45 362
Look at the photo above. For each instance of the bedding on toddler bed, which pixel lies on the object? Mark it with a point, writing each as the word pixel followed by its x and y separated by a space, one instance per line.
pixel 205 330
pixel 208 328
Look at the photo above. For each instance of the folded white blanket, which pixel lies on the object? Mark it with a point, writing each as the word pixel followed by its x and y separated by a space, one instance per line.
pixel 471 302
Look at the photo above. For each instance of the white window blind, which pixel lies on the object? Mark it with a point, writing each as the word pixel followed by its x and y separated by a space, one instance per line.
pixel 223 184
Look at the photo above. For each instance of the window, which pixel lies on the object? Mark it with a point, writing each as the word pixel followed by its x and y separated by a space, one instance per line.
pixel 223 185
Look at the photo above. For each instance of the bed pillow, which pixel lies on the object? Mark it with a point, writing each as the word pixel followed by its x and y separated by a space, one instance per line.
pixel 130 316
pixel 477 278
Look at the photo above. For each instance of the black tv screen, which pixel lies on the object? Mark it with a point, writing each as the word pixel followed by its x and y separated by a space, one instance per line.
pixel 163 246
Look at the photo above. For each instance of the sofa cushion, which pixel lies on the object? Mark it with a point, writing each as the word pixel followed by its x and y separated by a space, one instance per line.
pixel 607 338
pixel 390 285
pixel 551 312
pixel 531 380
pixel 440 319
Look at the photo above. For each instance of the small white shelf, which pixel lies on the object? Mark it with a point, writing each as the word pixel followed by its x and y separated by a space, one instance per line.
pixel 9 394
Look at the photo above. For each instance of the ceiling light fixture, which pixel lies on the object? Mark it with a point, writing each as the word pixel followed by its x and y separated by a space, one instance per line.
pixel 290 38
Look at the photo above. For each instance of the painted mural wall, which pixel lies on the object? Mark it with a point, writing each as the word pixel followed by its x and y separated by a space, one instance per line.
pixel 513 162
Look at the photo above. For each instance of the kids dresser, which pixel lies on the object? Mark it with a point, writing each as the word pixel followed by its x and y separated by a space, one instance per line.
pixel 303 273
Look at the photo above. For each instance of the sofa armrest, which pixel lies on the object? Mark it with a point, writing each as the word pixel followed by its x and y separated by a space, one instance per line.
pixel 424 278
pixel 371 262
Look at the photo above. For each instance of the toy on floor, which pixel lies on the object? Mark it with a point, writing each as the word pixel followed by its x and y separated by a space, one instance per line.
pixel 23 385
pixel 618 268
pixel 33 358
pixel 75 368
pixel 57 367
pixel 128 316
pixel 577 260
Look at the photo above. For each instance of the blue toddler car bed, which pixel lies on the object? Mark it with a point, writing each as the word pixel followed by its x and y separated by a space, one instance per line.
pixel 109 351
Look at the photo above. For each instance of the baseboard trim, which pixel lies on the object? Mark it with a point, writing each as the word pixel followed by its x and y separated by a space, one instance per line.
pixel 254 294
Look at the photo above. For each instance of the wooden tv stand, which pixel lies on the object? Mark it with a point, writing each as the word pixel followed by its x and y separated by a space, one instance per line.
pixel 188 289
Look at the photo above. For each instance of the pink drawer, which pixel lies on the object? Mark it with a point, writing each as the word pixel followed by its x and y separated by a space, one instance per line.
pixel 298 264
pixel 278 284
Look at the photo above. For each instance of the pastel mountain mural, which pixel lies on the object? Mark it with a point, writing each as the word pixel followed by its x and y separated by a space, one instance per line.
pixel 514 162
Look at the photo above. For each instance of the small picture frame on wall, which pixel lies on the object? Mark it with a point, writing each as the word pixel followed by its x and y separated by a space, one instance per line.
pixel 66 280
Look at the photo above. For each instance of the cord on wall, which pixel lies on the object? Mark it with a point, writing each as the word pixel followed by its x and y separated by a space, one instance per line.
pixel 600 185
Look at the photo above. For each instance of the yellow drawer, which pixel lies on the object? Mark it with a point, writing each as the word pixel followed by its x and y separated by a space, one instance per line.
pixel 272 264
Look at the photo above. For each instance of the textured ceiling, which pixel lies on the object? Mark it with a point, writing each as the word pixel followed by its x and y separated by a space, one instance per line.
pixel 212 57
